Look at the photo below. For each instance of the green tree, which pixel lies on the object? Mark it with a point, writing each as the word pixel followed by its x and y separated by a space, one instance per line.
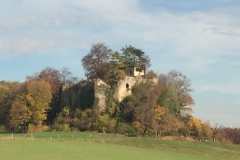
pixel 116 69
pixel 169 99
pixel 180 87
pixel 132 56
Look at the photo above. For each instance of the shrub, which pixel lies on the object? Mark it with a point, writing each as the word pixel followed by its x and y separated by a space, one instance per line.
pixel 60 127
pixel 123 128
pixel 2 129
pixel 33 128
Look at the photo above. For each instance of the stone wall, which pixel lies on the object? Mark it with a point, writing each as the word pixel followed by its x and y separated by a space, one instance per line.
pixel 84 94
pixel 137 72
pixel 124 86
pixel 80 95
pixel 100 91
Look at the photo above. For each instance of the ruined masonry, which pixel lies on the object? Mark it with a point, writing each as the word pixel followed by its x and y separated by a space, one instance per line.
pixel 124 86
pixel 100 90
pixel 85 94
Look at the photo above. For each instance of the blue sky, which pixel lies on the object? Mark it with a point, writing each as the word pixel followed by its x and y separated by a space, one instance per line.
pixel 199 38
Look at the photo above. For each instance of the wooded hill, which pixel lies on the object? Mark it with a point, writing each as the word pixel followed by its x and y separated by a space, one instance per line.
pixel 151 110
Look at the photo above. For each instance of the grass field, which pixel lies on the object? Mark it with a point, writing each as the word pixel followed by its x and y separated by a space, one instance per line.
pixel 94 146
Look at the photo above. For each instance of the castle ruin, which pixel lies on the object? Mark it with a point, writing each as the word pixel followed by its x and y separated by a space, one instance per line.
pixel 86 93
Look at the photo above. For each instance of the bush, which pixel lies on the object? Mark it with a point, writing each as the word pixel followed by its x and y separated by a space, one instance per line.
pixel 60 127
pixel 105 124
pixel 32 128
pixel 2 129
pixel 124 128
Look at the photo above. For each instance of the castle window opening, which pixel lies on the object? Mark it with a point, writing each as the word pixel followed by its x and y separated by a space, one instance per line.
pixel 127 86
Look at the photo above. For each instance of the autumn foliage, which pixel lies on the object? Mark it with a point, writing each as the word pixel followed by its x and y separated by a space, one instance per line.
pixel 155 109
pixel 39 97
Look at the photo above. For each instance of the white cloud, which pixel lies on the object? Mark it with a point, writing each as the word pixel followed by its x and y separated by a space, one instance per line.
pixel 197 34
pixel 29 44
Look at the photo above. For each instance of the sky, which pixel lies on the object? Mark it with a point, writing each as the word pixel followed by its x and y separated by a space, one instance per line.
pixel 201 39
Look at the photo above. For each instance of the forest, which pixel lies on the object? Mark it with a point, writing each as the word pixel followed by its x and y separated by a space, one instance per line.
pixel 152 110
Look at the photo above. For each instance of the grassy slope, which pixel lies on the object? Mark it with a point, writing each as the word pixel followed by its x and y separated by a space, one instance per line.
pixel 24 150
pixel 109 146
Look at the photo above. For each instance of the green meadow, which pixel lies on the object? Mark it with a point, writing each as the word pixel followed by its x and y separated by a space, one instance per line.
pixel 96 146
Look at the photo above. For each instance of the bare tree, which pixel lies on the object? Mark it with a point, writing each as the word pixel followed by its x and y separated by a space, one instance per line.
pixel 66 76
pixel 96 63
pixel 64 73
pixel 215 131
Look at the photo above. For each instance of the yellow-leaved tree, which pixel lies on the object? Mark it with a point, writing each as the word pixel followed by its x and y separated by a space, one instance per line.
pixel 3 112
pixel 207 130
pixel 8 93
pixel 19 114
pixel 3 92
pixel 160 111
pixel 195 126
pixel 105 123
pixel 39 96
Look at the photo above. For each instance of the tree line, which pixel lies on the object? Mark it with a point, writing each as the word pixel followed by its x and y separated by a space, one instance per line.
pixel 153 109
